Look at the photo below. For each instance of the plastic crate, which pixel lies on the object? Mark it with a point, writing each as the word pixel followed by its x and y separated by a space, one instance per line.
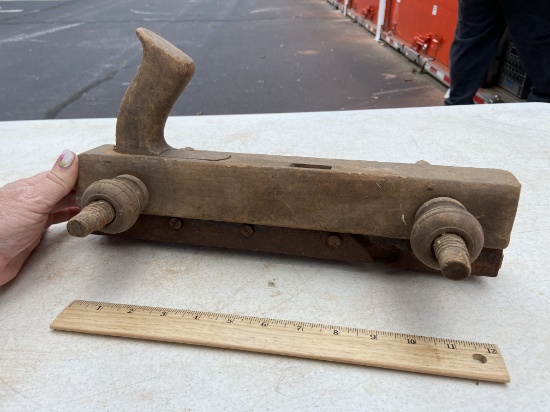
pixel 512 75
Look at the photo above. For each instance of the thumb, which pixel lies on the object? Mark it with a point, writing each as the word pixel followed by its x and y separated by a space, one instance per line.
pixel 60 180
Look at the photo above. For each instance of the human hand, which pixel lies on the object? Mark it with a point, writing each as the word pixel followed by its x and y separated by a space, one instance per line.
pixel 29 206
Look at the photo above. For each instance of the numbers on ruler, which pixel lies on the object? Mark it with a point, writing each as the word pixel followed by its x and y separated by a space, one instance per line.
pixel 446 344
pixel 299 327
pixel 450 345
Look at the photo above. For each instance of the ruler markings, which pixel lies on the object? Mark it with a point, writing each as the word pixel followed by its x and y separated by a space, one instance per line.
pixel 393 350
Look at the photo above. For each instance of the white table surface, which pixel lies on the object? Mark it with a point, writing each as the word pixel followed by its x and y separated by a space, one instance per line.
pixel 45 369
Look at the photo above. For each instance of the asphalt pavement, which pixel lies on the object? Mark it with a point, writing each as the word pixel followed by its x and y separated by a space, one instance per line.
pixel 75 58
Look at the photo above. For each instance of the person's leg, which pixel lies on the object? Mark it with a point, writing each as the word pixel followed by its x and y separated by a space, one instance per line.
pixel 479 29
pixel 529 24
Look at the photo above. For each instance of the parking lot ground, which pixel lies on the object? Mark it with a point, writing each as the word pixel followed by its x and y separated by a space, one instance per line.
pixel 75 58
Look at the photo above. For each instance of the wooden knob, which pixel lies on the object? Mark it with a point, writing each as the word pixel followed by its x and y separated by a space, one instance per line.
pixel 445 236
pixel 110 205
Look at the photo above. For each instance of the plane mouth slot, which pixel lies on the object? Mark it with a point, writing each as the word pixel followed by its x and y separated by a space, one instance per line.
pixel 308 166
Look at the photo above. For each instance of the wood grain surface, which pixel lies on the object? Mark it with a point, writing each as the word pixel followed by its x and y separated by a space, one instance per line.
pixel 447 357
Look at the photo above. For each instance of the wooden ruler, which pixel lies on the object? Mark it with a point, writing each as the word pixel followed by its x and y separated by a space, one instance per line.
pixel 448 357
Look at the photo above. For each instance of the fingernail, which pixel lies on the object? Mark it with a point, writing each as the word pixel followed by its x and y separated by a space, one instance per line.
pixel 65 159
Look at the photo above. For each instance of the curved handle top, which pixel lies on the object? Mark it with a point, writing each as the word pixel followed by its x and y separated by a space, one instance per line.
pixel 162 76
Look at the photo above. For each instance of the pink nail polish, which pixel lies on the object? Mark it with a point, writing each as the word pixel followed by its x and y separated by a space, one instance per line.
pixel 65 159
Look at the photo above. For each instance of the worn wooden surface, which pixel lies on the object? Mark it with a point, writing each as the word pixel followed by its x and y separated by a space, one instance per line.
pixel 357 197
pixel 339 196
pixel 391 350
pixel 162 76
pixel 395 253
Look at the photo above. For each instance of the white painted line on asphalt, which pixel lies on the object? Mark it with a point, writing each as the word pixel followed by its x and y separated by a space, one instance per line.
pixel 22 37
pixel 266 9
pixel 408 89
pixel 10 11
pixel 150 12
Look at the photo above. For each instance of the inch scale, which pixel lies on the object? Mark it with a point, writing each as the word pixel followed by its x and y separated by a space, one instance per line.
pixel 446 357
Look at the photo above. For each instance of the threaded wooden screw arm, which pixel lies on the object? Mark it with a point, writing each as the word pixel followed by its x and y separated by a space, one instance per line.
pixel 453 256
pixel 110 206
pixel 92 218
pixel 445 236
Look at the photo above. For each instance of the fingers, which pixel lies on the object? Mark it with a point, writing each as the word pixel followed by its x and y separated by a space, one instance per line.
pixel 62 216
pixel 28 206
pixel 25 182
pixel 67 201
pixel 15 264
pixel 34 179
pixel 59 181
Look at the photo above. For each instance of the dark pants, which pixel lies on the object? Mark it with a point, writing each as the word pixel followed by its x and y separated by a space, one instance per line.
pixel 481 24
